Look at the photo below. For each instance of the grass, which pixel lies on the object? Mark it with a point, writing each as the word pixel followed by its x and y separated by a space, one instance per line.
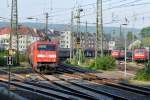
pixel 14 69
pixel 137 82
pixel 144 74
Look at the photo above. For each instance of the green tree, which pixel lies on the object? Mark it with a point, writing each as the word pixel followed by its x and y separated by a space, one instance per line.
pixel 146 42
pixel 145 32
pixel 130 36
pixel 135 45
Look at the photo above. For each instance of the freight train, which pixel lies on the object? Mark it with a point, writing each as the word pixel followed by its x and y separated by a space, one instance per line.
pixel 43 55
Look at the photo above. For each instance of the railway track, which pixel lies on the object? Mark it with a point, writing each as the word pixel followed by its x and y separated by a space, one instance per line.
pixel 75 94
pixel 70 94
pixel 72 91
pixel 50 91
pixel 113 96
pixel 34 88
pixel 137 90
pixel 74 69
pixel 71 87
pixel 47 93
pixel 113 92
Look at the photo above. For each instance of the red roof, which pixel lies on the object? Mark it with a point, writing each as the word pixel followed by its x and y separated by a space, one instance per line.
pixel 21 30
pixel 5 31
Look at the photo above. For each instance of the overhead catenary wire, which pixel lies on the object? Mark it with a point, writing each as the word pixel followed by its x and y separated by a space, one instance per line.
pixel 69 9
pixel 85 5
pixel 91 14
pixel 106 1
pixel 125 4
pixel 110 8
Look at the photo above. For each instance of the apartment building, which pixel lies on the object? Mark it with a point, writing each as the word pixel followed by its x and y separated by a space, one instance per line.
pixel 87 40
pixel 26 37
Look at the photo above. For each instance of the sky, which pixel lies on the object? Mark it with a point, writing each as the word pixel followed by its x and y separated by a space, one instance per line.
pixel 114 11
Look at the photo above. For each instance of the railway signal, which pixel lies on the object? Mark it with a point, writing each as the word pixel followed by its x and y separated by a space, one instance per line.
pixel 11 52
pixel 78 42
pixel 10 61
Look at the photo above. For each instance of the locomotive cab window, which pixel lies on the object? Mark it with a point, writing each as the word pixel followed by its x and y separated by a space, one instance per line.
pixel 46 47
pixel 140 51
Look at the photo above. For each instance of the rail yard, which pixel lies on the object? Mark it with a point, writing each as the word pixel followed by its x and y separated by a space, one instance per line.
pixel 74 50
pixel 72 83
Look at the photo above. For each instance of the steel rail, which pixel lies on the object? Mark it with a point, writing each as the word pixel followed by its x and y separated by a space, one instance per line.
pixel 40 91
pixel 131 89
pixel 76 92
pixel 64 91
pixel 115 97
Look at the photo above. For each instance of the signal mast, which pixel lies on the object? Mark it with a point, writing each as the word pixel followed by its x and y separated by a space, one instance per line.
pixel 14 29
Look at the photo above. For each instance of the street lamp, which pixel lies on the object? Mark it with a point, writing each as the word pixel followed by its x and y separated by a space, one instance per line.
pixel 125 63
pixel 32 18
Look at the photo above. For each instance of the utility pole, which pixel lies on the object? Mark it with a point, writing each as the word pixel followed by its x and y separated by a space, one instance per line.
pixel 14 27
pixel 120 36
pixel 51 12
pixel 133 36
pixel 79 51
pixel 99 29
pixel 86 27
pixel 125 65
pixel 46 27
pixel 86 34
pixel 71 37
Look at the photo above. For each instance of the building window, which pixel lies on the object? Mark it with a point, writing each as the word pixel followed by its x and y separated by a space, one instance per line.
pixel 62 41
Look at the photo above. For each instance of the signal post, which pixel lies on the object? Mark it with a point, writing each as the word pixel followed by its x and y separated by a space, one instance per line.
pixel 11 53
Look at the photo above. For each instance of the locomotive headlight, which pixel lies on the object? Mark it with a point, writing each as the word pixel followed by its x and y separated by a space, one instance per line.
pixel 40 55
pixel 52 56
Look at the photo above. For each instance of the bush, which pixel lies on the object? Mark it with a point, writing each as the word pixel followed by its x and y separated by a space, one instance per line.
pixel 144 74
pixel 23 58
pixel 103 63
pixel 3 61
pixel 67 61
pixel 3 58
pixel 4 55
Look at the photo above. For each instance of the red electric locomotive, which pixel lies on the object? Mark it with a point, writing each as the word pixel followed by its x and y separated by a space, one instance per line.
pixel 115 54
pixel 43 55
pixel 141 54
pixel 120 54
